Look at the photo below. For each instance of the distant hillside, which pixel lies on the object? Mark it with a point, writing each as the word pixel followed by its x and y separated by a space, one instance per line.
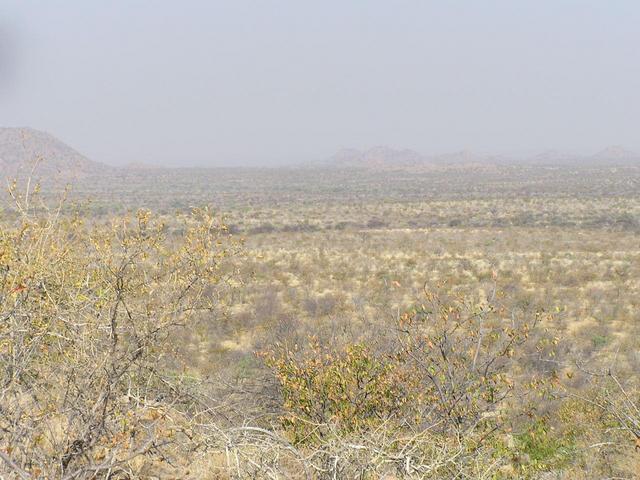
pixel 27 152
pixel 378 158
pixel 616 155
pixel 385 158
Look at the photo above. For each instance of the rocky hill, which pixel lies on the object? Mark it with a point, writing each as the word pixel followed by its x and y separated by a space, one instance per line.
pixel 616 155
pixel 27 152
pixel 385 158
pixel 377 158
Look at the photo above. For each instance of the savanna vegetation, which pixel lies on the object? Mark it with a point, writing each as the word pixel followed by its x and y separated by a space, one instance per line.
pixel 467 322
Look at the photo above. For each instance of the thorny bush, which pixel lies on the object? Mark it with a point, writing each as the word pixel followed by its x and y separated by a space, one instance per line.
pixel 90 381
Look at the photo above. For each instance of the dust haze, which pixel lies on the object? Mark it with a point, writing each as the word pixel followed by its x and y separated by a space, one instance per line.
pixel 239 83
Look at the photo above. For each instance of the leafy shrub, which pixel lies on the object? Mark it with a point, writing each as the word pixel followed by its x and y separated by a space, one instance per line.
pixel 540 448
pixel 351 388
pixel 446 369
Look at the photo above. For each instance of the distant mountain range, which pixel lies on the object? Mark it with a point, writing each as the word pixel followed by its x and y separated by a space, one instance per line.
pixel 27 152
pixel 389 158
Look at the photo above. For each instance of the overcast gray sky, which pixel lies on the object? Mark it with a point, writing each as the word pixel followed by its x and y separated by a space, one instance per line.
pixel 246 82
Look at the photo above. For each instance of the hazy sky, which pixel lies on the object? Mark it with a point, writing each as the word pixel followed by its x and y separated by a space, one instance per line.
pixel 236 82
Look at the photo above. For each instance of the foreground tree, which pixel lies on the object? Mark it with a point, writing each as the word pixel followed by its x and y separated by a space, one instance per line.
pixel 91 385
